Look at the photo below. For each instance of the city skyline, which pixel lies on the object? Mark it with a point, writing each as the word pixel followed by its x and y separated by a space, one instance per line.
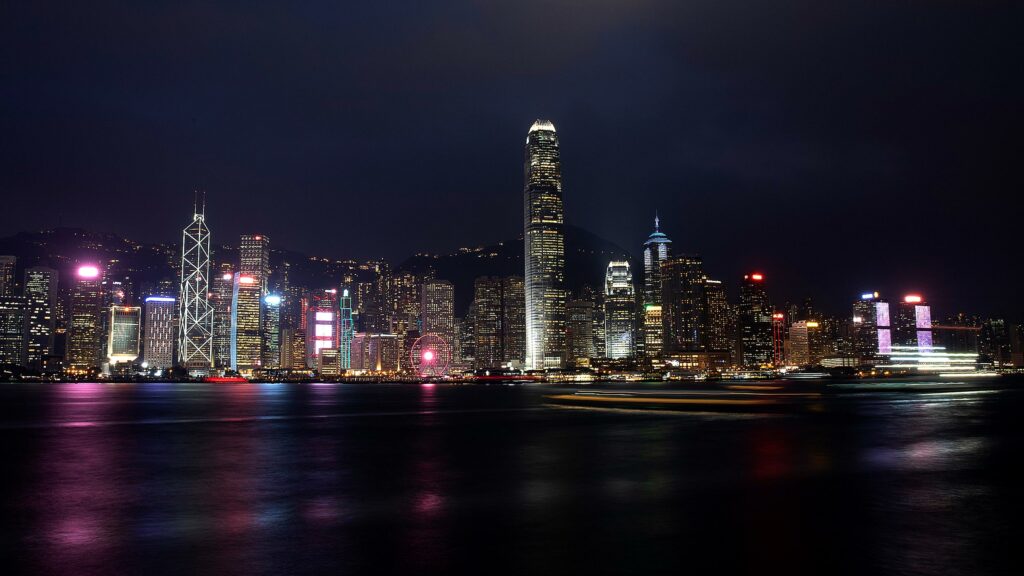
pixel 900 146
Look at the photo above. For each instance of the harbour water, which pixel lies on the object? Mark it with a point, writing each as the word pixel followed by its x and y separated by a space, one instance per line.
pixel 428 479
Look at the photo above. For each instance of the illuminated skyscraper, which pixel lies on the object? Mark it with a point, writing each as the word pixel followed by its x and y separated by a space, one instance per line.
pixel 7 268
pixel 254 258
pixel 322 324
pixel 223 289
pixel 195 325
pixel 657 249
pixel 487 322
pixel 245 324
pixel 158 342
pixel 438 305
pixel 755 322
pixel 619 310
pixel 513 320
pixel 346 330
pixel 84 348
pixel 270 333
pixel 13 323
pixel 682 303
pixel 544 240
pixel 123 340
pixel 716 322
pixel 865 327
pixel 913 322
pixel 580 331
pixel 41 298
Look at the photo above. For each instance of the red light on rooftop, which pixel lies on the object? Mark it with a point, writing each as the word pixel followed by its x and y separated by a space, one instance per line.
pixel 778 316
pixel 756 277
pixel 912 298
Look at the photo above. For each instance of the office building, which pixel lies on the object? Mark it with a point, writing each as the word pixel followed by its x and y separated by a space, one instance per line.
pixel 13 328
pixel 246 340
pixel 84 346
pixel 754 319
pixel 195 314
pixel 158 340
pixel 619 310
pixel 438 308
pixel 322 324
pixel 682 303
pixel 125 329
pixel 223 291
pixel 544 240
pixel 270 332
pixel 41 298
pixel 580 332
pixel 8 266
pixel 254 259
pixel 913 325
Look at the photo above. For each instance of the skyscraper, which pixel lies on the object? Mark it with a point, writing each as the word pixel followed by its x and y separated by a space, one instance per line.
pixel 716 322
pixel 245 324
pixel 346 330
pixel 913 322
pixel 13 323
pixel 41 298
pixel 123 340
pixel 487 330
pixel 270 333
pixel 682 303
pixel 158 341
pixel 84 349
pixel 195 328
pixel 580 331
pixel 7 267
pixel 322 324
pixel 657 249
pixel 438 305
pixel 755 322
pixel 223 287
pixel 544 240
pixel 865 327
pixel 513 320
pixel 254 258
pixel 619 310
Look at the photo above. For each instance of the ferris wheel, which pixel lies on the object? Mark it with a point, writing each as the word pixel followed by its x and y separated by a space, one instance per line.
pixel 430 355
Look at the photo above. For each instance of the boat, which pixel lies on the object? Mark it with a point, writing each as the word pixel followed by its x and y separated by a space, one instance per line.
pixel 225 380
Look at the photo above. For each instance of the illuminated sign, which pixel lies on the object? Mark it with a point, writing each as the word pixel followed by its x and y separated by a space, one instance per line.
pixel 882 314
pixel 812 324
pixel 273 300
pixel 923 316
pixel 912 298
pixel 778 316
pixel 324 316
pixel 159 299
pixel 858 320
pixel 246 280
pixel 88 272
pixel 324 330
pixel 868 295
pixel 226 276
pixel 757 277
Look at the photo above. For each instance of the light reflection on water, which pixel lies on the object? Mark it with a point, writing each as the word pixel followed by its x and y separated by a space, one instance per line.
pixel 303 479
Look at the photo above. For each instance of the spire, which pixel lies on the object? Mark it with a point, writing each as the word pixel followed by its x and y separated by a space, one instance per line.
pixel 657 222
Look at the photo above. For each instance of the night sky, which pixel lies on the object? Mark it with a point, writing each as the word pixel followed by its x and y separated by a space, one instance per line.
pixel 838 146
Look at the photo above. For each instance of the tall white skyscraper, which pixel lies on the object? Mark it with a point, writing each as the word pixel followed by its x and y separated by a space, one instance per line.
pixel 195 332
pixel 619 310
pixel 544 240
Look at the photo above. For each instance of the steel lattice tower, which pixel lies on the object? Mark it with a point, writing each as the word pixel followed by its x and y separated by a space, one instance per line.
pixel 195 334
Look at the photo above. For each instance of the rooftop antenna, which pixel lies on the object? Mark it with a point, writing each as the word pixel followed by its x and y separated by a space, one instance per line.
pixel 657 222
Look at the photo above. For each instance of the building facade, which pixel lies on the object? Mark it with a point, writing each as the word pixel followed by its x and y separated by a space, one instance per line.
pixel 544 242
pixel 619 310
pixel 158 340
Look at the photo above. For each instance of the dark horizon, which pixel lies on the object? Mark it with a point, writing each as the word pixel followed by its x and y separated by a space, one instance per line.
pixel 838 149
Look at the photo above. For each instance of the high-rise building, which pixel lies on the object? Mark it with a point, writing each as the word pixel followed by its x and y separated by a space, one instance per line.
pixel 653 330
pixel 84 347
pixel 580 331
pixel 438 306
pixel 755 322
pixel 223 289
pixel 805 343
pixel 779 332
pixel 195 316
pixel 375 352
pixel 487 329
pixel 346 329
pixel 41 298
pixel 8 265
pixel 682 303
pixel 716 325
pixel 246 339
pixel 158 341
pixel 619 310
pixel 123 340
pixel 657 249
pixel 13 327
pixel 513 324
pixel 254 258
pixel 322 324
pixel 913 322
pixel 865 329
pixel 544 240
pixel 270 333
